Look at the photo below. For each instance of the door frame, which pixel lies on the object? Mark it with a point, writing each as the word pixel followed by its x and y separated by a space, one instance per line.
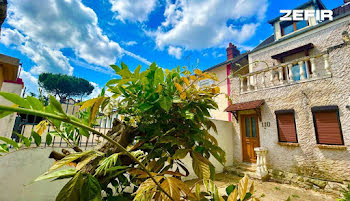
pixel 243 137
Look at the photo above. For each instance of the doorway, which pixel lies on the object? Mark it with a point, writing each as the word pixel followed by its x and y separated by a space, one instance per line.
pixel 250 137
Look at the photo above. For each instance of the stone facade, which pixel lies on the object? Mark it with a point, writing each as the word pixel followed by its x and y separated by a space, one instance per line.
pixel 306 158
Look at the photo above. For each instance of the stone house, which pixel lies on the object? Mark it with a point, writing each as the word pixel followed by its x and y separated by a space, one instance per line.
pixel 294 101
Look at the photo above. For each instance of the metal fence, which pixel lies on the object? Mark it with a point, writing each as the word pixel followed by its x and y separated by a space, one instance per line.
pixel 24 124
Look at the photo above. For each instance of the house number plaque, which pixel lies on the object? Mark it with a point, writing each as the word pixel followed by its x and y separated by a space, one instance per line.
pixel 265 124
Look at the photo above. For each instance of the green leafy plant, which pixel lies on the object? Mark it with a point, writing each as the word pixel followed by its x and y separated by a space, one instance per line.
pixel 163 116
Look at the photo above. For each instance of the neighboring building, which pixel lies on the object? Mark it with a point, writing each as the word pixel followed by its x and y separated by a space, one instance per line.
pixel 235 61
pixel 9 82
pixel 294 101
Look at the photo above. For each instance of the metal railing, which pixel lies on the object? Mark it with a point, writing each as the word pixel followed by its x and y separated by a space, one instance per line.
pixel 24 125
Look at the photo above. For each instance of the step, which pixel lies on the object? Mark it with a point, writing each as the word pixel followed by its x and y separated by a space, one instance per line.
pixel 242 169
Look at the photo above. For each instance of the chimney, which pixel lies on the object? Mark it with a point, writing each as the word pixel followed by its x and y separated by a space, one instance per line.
pixel 232 51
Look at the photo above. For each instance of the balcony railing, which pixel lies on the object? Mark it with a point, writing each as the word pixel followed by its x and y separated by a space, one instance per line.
pixel 297 71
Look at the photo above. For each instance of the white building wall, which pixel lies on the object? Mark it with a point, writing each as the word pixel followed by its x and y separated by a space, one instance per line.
pixel 7 123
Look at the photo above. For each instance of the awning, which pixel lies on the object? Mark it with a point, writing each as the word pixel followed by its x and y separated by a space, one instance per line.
pixel 244 106
pixel 251 105
pixel 293 51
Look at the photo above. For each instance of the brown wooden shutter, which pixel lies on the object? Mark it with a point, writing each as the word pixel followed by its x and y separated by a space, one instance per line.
pixel 286 127
pixel 327 127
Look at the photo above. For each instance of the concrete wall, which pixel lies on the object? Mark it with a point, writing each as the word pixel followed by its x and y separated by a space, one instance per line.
pixel 307 158
pixel 221 100
pixel 18 169
pixel 6 123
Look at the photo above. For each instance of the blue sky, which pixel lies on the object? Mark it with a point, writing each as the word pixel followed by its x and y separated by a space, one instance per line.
pixel 83 37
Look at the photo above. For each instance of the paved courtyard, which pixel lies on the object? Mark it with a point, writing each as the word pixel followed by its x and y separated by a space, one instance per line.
pixel 271 191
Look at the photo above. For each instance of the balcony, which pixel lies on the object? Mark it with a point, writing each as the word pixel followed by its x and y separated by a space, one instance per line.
pixel 300 70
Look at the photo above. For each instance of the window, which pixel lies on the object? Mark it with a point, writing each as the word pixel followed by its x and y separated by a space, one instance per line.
pixel 206 83
pixel 286 126
pixel 327 125
pixel 290 27
pixel 296 71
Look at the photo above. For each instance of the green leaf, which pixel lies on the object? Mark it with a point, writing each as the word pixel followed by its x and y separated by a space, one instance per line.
pixel 35 103
pixel 72 190
pixel 48 139
pixel 9 141
pixel 165 103
pixel 158 76
pixel 53 175
pixel 180 154
pixel 56 105
pixel 230 189
pixel 112 82
pixel 37 138
pixel 137 70
pixel 4 148
pixel 26 141
pixel 145 106
pixel 4 114
pixel 91 190
pixel 68 159
pixel 116 68
pixel 16 99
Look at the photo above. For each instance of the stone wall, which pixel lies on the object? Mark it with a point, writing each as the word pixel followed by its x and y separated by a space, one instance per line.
pixel 307 158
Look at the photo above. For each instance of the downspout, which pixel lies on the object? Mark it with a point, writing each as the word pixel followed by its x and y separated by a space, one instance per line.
pixel 228 71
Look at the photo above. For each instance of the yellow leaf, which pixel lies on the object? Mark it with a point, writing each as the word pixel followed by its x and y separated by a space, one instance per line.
pixel 178 86
pixel 41 127
pixel 159 88
pixel 95 108
pixel 251 189
pixel 193 77
pixel 88 103
pixel 183 95
pixel 233 195
pixel 186 81
pixel 216 90
pixel 243 187
pixel 200 165
pixel 198 72
pixel 198 191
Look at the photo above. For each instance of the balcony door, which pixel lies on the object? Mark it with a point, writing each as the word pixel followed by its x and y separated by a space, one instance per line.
pixel 250 137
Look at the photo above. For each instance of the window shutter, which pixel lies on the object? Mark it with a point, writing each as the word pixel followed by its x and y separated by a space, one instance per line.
pixel 286 127
pixel 327 127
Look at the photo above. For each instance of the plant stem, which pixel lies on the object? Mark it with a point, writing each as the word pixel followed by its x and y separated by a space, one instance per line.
pixel 79 124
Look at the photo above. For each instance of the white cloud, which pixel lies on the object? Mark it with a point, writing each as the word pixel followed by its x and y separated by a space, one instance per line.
pixel 132 10
pixel 30 82
pixel 137 57
pixel 204 24
pixel 9 37
pixel 216 54
pixel 64 24
pixel 45 58
pixel 40 29
pixel 129 43
pixel 175 51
